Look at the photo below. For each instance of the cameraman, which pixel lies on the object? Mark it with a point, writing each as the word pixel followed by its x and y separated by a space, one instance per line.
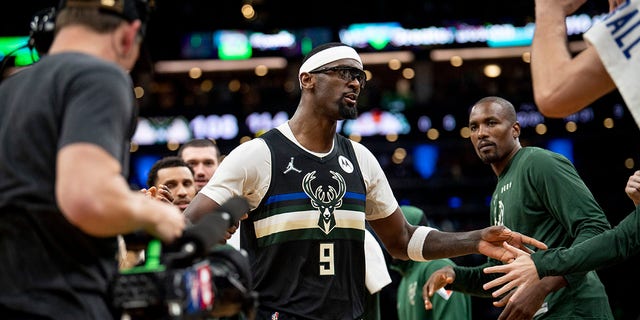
pixel 65 127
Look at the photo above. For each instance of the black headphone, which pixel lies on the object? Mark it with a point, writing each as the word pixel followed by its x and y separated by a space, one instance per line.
pixel 42 26
pixel 41 30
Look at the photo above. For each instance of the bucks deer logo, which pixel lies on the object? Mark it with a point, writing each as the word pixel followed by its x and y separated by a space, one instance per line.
pixel 326 201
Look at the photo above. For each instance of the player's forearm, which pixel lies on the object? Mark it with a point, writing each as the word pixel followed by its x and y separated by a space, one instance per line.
pixel 199 206
pixel 450 244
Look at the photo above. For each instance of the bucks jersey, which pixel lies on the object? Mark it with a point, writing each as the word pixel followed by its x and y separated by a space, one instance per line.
pixel 306 238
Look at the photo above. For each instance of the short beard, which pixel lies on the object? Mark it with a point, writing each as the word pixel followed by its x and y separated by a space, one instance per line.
pixel 489 158
pixel 348 113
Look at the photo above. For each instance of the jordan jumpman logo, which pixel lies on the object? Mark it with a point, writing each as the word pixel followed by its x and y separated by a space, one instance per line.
pixel 290 167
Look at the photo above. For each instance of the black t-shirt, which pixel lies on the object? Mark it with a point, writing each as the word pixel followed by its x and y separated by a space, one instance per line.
pixel 48 265
pixel 62 99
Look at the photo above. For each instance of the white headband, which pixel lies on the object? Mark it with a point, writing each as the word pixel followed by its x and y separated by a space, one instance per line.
pixel 327 56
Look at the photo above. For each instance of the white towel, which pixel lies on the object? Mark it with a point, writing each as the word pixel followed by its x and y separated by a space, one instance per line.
pixel 377 274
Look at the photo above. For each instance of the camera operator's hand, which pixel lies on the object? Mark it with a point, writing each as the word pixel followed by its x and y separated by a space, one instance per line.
pixel 168 225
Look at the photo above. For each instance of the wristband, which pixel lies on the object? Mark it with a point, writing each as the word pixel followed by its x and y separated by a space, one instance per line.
pixel 414 248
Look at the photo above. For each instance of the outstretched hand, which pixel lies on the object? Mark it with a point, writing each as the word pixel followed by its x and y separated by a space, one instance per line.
pixel 523 307
pixel 438 279
pixel 492 239
pixel 520 273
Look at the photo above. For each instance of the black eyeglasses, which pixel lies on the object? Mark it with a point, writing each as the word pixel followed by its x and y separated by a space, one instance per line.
pixel 346 73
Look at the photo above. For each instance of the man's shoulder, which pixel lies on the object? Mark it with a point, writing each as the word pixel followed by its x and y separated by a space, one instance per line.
pixel 81 63
pixel 537 153
pixel 361 150
pixel 540 160
pixel 73 57
pixel 356 145
pixel 254 145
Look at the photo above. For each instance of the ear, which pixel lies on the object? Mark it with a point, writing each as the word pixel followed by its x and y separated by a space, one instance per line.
pixel 516 130
pixel 307 80
pixel 130 35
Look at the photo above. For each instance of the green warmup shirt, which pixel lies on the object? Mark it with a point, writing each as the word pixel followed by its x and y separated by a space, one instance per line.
pixel 457 305
pixel 605 249
pixel 540 194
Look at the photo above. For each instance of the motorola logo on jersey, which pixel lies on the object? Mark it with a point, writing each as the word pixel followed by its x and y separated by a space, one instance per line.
pixel 345 164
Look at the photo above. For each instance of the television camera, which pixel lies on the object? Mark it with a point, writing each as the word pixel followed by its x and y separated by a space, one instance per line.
pixel 192 278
